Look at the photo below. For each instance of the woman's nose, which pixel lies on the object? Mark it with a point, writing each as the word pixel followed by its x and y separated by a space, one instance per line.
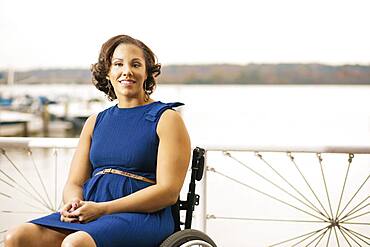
pixel 126 70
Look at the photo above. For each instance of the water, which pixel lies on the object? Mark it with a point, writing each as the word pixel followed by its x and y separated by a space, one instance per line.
pixel 240 114
pixel 267 115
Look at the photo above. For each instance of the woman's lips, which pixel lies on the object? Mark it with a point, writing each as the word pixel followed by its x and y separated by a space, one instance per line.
pixel 126 82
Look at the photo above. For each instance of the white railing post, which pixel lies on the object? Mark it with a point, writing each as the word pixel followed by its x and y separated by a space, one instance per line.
pixel 202 220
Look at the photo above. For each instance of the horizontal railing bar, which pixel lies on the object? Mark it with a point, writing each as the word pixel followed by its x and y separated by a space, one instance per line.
pixel 37 142
pixel 42 142
pixel 357 149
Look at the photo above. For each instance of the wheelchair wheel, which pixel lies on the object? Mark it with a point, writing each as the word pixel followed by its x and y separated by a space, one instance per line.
pixel 187 238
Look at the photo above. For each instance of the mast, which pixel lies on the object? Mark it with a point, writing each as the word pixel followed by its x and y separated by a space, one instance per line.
pixel 11 76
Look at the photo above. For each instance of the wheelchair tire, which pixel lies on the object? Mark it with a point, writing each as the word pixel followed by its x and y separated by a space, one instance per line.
pixel 188 237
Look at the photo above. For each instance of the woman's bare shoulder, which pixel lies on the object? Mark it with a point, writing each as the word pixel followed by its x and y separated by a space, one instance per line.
pixel 89 125
pixel 170 117
pixel 170 121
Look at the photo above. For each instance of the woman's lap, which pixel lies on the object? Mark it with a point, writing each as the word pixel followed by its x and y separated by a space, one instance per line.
pixel 128 229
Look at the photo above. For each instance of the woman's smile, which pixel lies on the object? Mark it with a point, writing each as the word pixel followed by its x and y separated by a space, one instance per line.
pixel 128 72
pixel 126 82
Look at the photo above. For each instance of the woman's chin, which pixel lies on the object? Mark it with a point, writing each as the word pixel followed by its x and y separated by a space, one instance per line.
pixel 127 93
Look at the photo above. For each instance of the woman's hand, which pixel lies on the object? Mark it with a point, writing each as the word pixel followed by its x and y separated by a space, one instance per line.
pixel 86 211
pixel 69 208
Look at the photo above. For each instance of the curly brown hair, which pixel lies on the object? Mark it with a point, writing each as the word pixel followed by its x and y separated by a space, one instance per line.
pixel 100 69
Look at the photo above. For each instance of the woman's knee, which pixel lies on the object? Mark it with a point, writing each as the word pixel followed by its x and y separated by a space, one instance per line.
pixel 18 235
pixel 80 239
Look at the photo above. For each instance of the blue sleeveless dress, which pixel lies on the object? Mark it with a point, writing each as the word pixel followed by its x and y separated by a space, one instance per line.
pixel 124 139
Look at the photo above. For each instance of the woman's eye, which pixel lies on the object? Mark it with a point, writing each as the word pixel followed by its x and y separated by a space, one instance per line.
pixel 118 64
pixel 137 65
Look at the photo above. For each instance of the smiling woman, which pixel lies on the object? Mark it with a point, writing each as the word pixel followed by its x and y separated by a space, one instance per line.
pixel 129 165
pixel 128 72
pixel 121 59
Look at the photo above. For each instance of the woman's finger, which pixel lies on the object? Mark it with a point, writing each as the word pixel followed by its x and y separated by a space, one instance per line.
pixel 66 207
pixel 75 213
pixel 67 214
pixel 68 220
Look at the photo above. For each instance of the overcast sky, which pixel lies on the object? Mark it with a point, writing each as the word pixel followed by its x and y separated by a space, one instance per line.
pixel 69 33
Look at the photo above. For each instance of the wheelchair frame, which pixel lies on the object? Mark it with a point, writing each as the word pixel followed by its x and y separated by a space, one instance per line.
pixel 187 236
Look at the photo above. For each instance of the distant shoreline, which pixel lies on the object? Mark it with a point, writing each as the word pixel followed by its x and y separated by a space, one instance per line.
pixel 219 74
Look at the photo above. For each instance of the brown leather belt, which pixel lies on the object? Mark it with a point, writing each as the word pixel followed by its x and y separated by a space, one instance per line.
pixel 126 174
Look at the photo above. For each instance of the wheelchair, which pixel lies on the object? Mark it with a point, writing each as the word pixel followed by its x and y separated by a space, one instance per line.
pixel 189 237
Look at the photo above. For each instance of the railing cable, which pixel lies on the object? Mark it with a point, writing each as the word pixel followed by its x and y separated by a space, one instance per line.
pixel 354 240
pixel 354 210
pixel 266 179
pixel 345 218
pixel 350 158
pixel 21 189
pixel 313 234
pixel 327 242
pixel 21 212
pixel 26 203
pixel 300 236
pixel 357 235
pixel 29 152
pixel 354 196
pixel 322 236
pixel 336 236
pixel 282 177
pixel 55 177
pixel 264 193
pixel 25 178
pixel 354 217
pixel 307 183
pixel 263 219
pixel 326 187
pixel 341 231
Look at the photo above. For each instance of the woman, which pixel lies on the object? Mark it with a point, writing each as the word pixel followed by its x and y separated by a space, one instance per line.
pixel 129 165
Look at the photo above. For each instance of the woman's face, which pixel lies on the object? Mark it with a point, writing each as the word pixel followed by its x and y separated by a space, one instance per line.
pixel 128 71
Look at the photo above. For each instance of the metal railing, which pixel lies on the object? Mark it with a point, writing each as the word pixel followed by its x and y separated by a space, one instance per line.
pixel 298 181
pixel 324 188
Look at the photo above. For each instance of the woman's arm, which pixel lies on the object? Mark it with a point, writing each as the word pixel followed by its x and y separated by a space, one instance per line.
pixel 80 166
pixel 172 163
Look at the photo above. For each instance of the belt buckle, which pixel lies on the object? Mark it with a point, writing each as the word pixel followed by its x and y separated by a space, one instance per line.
pixel 108 170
